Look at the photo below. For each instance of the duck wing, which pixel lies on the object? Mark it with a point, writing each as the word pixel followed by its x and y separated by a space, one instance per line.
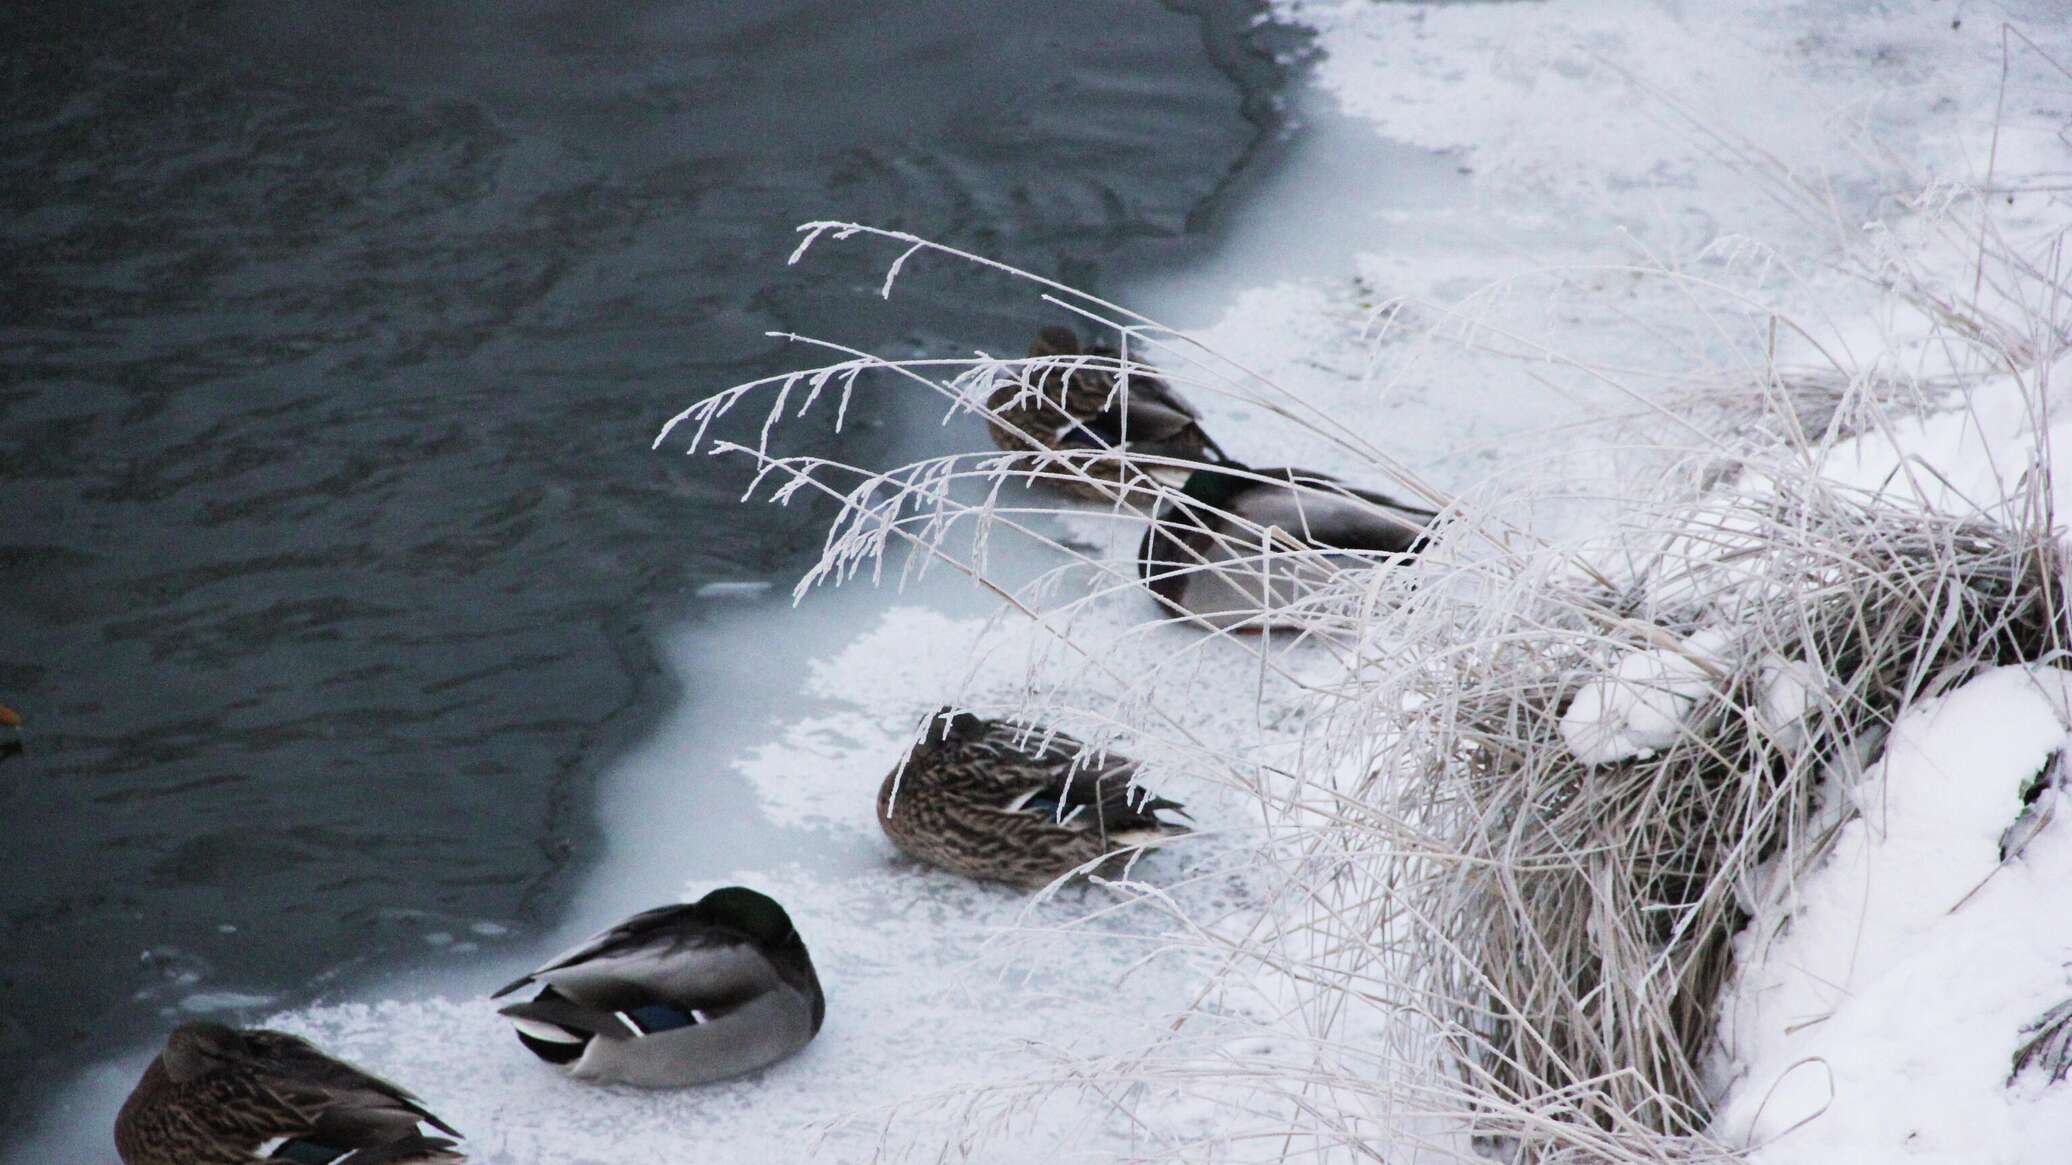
pixel 1327 514
pixel 1148 413
pixel 341 1104
pixel 1139 423
pixel 1040 773
pixel 638 932
pixel 1104 803
pixel 671 955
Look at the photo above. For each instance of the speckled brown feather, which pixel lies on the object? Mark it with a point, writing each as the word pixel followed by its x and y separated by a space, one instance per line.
pixel 949 805
pixel 269 1085
pixel 1073 405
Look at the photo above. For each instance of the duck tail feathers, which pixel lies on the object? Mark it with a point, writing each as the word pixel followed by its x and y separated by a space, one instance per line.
pixel 1161 805
pixel 415 1149
pixel 513 985
pixel 571 1016
pixel 412 1150
pixel 1146 837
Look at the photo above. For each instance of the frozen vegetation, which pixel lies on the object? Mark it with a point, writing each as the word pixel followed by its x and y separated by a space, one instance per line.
pixel 1693 798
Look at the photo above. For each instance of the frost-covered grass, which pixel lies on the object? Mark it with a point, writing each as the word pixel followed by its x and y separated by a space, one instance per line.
pixel 1611 779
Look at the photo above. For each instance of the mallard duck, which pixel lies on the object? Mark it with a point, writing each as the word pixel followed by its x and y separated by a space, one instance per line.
pixel 1075 403
pixel 676 995
pixel 999 801
pixel 220 1096
pixel 1206 555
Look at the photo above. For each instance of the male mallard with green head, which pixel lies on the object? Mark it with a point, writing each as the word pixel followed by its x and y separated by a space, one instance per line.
pixel 677 995
pixel 1004 802
pixel 220 1096
pixel 1228 548
pixel 1079 400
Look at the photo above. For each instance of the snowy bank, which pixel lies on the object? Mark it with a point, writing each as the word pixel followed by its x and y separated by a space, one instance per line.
pixel 1880 1020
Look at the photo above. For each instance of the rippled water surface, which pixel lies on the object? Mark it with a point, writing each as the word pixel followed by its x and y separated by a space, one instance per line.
pixel 334 334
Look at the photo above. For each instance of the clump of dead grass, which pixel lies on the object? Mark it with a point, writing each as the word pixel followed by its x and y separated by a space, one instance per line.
pixel 1577 919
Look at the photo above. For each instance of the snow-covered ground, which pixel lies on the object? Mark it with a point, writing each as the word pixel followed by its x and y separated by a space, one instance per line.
pixel 1526 166
pixel 1879 1023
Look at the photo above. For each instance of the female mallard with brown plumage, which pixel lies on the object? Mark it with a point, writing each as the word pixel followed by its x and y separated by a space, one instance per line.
pixel 1005 802
pixel 220 1096
pixel 1088 399
pixel 1229 548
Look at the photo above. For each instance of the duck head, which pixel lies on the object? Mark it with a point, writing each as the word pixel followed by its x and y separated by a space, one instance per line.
pixel 756 915
pixel 767 925
pixel 1217 487
pixel 1056 340
pixel 947 725
pixel 196 1049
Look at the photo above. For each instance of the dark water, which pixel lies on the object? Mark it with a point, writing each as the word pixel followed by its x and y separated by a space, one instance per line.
pixel 332 337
